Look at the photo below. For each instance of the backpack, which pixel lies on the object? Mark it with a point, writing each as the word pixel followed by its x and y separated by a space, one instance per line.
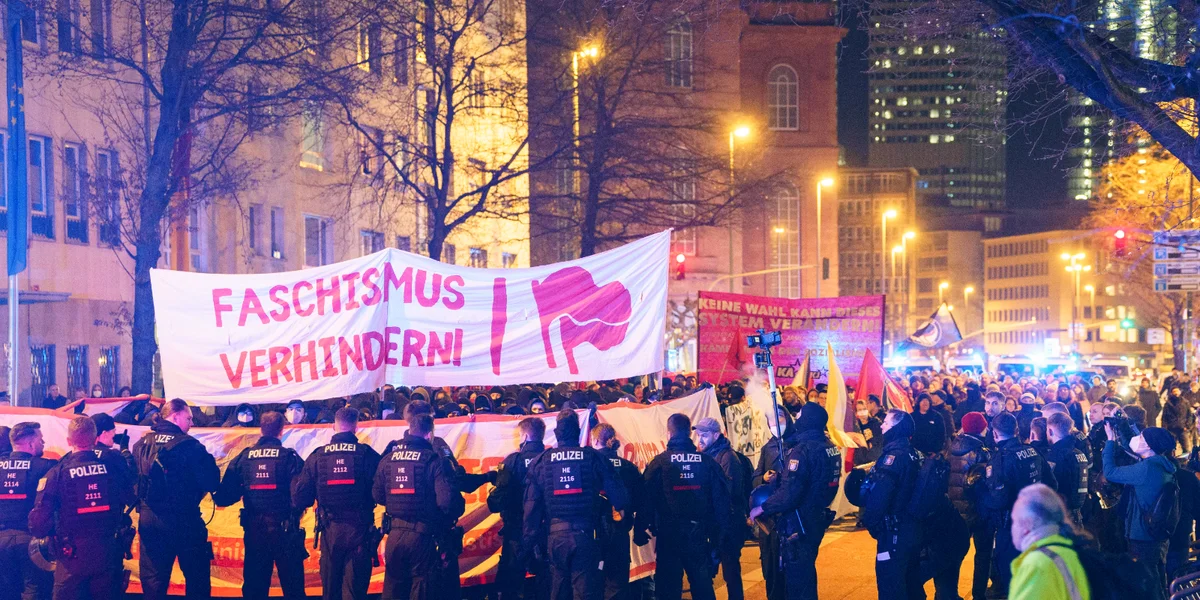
pixel 152 481
pixel 931 488
pixel 1162 517
pixel 1116 576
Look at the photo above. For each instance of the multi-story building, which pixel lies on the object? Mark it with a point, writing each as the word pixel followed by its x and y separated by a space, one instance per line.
pixel 938 105
pixel 312 199
pixel 868 237
pixel 947 266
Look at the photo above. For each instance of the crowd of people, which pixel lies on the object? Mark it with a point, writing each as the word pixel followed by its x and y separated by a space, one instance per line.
pixel 1052 479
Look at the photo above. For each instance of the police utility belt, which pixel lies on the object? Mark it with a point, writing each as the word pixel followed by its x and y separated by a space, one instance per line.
pixel 416 526
pixel 559 525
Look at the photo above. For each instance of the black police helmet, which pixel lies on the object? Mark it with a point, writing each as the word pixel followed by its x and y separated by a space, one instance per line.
pixel 760 495
pixel 853 486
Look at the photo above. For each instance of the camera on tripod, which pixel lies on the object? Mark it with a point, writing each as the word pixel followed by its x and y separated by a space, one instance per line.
pixel 763 340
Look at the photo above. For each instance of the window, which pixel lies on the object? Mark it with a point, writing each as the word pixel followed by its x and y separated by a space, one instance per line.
pixel 564 176
pixel 29 24
pixel 368 48
pixel 77 370
pixel 313 137
pixel 277 229
pixel 74 207
pixel 101 26
pixel 679 54
pixel 683 238
pixel 783 98
pixel 318 243
pixel 426 117
pixel 370 144
pixel 401 52
pixel 370 241
pixel 41 364
pixel 404 242
pixel 785 232
pixel 508 260
pixel 108 185
pixel 449 254
pixel 68 26
pixel 479 258
pixel 254 227
pixel 110 370
pixel 197 229
pixel 41 219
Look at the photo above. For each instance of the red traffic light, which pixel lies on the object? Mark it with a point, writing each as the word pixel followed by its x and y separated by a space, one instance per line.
pixel 1119 243
pixel 1119 234
pixel 680 266
pixel 679 258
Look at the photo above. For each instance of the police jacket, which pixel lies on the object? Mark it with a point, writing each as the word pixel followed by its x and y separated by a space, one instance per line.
pixel 83 495
pixel 175 471
pixel 770 459
pixel 339 476
pixel 1013 466
pixel 414 483
pixel 735 473
pixel 684 486
pixel 262 475
pixel 1083 444
pixel 968 454
pixel 1070 467
pixel 565 484
pixel 810 481
pixel 508 497
pixel 629 475
pixel 21 473
pixel 889 486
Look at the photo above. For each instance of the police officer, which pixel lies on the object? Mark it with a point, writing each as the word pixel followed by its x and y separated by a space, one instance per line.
pixel 562 494
pixel 1069 463
pixel 614 551
pixel 508 499
pixel 767 472
pixel 800 504
pixel 20 473
pixel 884 498
pixel 175 472
pixel 413 483
pixel 81 501
pixel 737 475
pixel 339 476
pixel 687 507
pixel 261 476
pixel 1013 466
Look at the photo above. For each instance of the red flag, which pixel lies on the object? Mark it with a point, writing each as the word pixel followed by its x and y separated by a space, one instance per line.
pixel 873 379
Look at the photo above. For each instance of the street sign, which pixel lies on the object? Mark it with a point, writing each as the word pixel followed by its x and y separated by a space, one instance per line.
pixel 1164 253
pixel 1180 284
pixel 1174 238
pixel 1156 335
pixel 1177 260
pixel 1176 267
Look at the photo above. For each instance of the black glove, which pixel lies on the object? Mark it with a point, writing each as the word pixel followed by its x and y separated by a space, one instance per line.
pixel 122 440
pixel 491 476
pixel 641 537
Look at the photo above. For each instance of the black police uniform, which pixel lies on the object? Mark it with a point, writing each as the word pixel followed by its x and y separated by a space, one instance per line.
pixel 969 455
pixel 687 508
pixel 338 476
pixel 508 499
pixel 20 473
pixel 562 497
pixel 885 496
pixel 175 472
pixel 729 549
pixel 261 476
pixel 1070 466
pixel 414 482
pixel 1014 465
pixel 616 526
pixel 800 506
pixel 771 459
pixel 81 502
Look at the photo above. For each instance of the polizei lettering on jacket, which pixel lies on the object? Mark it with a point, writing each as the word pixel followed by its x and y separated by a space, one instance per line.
pixel 263 453
pixel 341 447
pixel 561 455
pixel 14 465
pixel 406 455
pixel 685 458
pixel 87 471
pixel 1026 453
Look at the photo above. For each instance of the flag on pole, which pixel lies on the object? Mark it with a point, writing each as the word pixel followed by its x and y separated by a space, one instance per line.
pixel 841 413
pixel 874 379
pixel 801 378
pixel 18 176
pixel 937 331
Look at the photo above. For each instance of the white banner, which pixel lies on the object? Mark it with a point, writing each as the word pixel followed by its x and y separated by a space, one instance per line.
pixel 404 319
pixel 480 443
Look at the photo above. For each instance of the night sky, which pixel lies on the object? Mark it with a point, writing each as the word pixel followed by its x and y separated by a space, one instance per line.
pixel 1034 178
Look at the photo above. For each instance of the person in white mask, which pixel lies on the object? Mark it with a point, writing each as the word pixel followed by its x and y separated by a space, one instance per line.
pixel 1048 567
pixel 295 413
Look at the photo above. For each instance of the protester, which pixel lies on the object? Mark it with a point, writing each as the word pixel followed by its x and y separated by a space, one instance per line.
pixel 1144 480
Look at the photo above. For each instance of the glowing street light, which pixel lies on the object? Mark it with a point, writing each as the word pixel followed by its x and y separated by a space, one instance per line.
pixel 738 131
pixel 887 214
pixel 823 183
pixel 942 287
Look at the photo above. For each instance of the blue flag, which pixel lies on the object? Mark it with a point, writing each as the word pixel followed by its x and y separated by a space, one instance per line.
pixel 18 174
pixel 939 330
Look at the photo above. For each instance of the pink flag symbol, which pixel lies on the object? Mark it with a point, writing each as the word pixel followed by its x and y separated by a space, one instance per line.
pixel 585 312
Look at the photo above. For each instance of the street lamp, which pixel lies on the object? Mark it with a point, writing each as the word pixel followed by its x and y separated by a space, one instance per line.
pixel 823 183
pixel 908 235
pixel 1075 268
pixel 738 131
pixel 586 52
pixel 942 287
pixel 967 291
pixel 887 214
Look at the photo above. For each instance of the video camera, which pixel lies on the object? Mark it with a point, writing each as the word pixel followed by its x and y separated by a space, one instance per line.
pixel 1123 427
pixel 763 340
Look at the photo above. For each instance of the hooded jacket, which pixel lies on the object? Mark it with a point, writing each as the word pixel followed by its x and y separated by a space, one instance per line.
pixel 966 451
pixel 1146 478
pixel 736 474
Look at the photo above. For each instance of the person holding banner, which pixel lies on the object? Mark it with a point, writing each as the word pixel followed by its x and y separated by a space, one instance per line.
pixel 81 502
pixel 338 476
pixel 262 477
pixel 175 472
pixel 24 467
pixel 508 499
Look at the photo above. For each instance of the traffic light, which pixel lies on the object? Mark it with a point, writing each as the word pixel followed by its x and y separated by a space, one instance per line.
pixel 680 266
pixel 1119 239
pixel 1127 324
